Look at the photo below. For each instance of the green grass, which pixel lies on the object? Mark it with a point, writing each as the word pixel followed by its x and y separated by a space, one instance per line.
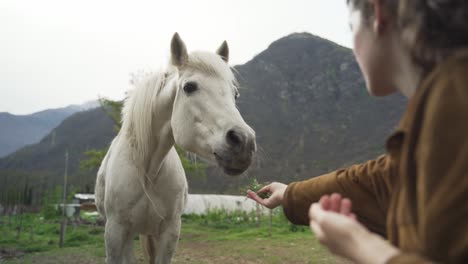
pixel 219 225
pixel 40 235
pixel 217 237
pixel 241 237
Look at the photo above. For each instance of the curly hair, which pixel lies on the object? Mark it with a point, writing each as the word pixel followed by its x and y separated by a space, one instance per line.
pixel 430 29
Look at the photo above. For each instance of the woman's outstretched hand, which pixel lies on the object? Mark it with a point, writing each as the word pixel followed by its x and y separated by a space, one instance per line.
pixel 335 226
pixel 276 193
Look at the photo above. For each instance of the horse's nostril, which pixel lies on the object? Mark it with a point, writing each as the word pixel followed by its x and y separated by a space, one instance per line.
pixel 233 138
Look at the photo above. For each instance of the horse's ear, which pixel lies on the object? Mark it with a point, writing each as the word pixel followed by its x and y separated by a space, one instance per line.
pixel 223 51
pixel 179 55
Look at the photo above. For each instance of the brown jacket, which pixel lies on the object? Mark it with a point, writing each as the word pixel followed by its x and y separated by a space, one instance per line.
pixel 416 195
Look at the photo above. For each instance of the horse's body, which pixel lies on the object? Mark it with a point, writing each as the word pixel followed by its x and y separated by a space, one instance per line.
pixel 141 186
pixel 137 204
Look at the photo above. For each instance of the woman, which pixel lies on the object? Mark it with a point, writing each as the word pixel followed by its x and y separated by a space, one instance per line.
pixel 416 195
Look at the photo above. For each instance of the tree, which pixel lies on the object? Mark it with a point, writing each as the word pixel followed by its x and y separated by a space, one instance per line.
pixel 114 110
pixel 93 159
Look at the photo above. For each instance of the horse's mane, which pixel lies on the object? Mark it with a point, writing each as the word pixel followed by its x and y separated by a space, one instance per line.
pixel 139 109
pixel 137 113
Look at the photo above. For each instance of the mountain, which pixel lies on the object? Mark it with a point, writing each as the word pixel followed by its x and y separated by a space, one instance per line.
pixel 304 96
pixel 17 131
pixel 43 164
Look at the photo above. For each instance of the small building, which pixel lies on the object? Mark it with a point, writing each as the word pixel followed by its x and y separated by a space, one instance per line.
pixel 196 203
pixel 71 210
pixel 81 198
pixel 203 203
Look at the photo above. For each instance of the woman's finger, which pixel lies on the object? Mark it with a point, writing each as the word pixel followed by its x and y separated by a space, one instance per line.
pixel 265 189
pixel 254 196
pixel 316 212
pixel 345 208
pixel 268 202
pixel 325 202
pixel 335 202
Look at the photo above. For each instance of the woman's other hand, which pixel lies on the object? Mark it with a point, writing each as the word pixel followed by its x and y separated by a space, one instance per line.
pixel 335 226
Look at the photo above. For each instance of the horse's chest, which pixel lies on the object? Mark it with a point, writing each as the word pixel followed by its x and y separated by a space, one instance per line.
pixel 151 210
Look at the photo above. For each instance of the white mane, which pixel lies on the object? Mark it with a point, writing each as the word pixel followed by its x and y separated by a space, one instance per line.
pixel 138 110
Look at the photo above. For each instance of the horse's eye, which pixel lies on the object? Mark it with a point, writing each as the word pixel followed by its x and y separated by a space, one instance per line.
pixel 236 96
pixel 190 87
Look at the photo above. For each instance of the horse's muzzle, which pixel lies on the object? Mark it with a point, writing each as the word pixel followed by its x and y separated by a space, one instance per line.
pixel 237 154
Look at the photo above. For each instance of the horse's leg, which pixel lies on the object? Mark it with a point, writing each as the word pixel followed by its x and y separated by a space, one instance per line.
pixel 119 244
pixel 167 243
pixel 148 244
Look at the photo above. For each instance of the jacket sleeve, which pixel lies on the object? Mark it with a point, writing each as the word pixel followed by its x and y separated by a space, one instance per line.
pixel 367 185
pixel 442 174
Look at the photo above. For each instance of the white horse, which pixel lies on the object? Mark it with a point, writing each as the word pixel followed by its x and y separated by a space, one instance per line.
pixel 141 186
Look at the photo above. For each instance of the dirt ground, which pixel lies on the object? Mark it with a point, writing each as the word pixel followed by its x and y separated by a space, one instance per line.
pixel 206 252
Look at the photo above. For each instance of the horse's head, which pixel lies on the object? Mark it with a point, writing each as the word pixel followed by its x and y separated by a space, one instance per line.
pixel 205 119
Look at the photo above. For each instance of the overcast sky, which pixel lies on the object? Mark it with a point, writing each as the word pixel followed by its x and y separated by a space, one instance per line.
pixel 56 53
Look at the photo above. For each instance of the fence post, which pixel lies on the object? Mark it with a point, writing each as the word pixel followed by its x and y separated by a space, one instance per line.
pixel 63 224
pixel 271 222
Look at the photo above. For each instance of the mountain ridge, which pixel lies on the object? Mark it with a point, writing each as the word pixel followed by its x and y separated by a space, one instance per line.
pixel 20 130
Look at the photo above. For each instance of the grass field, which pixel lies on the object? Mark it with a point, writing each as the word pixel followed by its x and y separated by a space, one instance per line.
pixel 217 237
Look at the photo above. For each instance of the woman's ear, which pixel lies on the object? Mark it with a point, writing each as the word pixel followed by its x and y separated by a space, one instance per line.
pixel 380 17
